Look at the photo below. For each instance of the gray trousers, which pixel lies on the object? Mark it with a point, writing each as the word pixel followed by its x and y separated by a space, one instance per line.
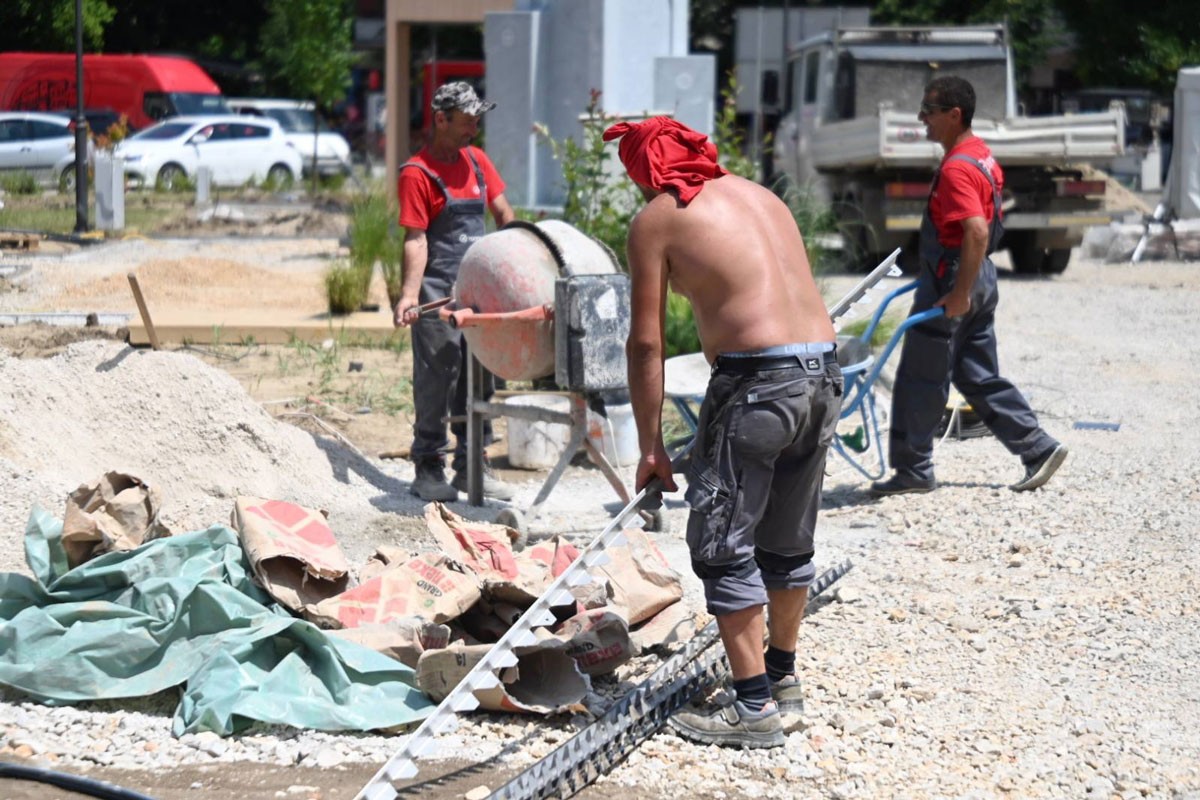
pixel 440 388
pixel 961 350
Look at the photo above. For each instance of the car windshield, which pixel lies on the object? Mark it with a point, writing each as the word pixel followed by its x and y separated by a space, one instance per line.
pixel 292 120
pixel 194 103
pixel 166 130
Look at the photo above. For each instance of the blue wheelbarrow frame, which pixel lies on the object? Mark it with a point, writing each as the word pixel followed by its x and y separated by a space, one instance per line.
pixel 870 458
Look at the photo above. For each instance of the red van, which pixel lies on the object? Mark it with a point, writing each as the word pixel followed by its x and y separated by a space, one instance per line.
pixel 145 89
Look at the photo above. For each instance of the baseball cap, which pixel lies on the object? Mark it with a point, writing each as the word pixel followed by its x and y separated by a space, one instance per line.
pixel 460 95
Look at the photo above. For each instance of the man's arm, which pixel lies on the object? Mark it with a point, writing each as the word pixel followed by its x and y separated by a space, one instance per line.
pixel 646 346
pixel 970 259
pixel 502 212
pixel 416 251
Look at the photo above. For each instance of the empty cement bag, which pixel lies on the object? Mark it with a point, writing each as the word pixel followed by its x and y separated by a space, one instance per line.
pixel 292 550
pixel 544 681
pixel 116 512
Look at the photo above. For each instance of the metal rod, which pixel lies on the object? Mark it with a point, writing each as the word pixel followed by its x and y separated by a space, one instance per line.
pixel 81 131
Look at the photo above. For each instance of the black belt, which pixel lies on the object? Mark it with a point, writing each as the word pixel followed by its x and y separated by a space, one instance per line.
pixel 747 364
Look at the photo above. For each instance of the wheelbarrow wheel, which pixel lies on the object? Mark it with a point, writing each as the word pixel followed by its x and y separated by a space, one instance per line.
pixel 512 518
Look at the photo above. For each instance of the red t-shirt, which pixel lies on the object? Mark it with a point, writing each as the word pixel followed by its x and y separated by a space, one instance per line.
pixel 421 200
pixel 962 191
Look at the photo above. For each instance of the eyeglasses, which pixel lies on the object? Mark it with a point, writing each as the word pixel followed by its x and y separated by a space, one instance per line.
pixel 928 108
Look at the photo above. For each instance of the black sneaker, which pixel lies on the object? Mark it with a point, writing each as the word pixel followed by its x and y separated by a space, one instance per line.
pixel 1041 470
pixel 430 482
pixel 732 724
pixel 902 483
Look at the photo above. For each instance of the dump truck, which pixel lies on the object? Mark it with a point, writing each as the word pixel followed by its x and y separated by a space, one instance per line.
pixel 850 134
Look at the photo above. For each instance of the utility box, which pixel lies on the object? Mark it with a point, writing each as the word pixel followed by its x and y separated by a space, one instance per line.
pixel 110 192
pixel 591 324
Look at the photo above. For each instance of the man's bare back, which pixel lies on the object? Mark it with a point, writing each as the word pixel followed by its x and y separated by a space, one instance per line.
pixel 736 254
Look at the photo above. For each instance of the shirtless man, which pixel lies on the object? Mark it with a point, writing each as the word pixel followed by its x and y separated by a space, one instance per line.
pixel 754 483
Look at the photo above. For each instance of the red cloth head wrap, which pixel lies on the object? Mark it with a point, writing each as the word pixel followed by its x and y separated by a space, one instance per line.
pixel 664 154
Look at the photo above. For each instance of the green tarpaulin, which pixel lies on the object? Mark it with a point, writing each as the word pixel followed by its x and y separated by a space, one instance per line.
pixel 184 611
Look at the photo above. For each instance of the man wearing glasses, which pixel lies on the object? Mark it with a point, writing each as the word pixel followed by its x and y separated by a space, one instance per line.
pixel 960 229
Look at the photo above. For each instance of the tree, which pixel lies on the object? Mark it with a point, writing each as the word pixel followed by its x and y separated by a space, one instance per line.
pixel 50 25
pixel 1119 46
pixel 307 50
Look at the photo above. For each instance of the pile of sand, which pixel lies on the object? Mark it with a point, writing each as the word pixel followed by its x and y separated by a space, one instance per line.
pixel 172 420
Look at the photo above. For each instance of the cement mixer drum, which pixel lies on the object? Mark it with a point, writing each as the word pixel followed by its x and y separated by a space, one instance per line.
pixel 514 269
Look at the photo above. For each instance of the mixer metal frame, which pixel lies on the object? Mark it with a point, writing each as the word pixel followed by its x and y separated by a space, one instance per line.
pixel 576 420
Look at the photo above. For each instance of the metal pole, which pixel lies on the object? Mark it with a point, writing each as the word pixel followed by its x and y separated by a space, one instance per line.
pixel 81 129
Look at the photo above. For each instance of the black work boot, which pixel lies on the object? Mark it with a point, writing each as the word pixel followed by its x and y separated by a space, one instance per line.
pixel 430 481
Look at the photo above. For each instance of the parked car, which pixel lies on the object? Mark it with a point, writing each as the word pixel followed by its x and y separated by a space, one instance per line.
pixel 235 149
pixel 34 143
pixel 298 120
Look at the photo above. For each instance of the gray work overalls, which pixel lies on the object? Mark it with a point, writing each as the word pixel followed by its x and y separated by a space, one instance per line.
pixel 962 350
pixel 439 356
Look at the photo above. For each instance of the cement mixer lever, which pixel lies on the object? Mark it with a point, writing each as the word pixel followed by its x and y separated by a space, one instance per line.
pixel 469 318
pixel 426 309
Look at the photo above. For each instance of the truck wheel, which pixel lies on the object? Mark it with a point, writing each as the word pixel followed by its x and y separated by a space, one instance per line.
pixel 1024 253
pixel 1056 261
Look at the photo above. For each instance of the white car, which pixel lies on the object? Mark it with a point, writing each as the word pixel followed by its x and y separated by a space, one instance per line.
pixel 298 120
pixel 34 143
pixel 235 149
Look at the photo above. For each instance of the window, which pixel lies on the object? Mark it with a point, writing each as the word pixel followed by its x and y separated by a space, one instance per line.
pixel 812 66
pixel 47 130
pixel 255 132
pixel 156 105
pixel 13 130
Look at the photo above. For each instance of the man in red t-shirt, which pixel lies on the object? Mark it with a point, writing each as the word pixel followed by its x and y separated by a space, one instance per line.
pixel 960 229
pixel 444 192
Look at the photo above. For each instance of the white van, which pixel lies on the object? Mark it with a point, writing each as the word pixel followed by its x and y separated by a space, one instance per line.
pixel 298 119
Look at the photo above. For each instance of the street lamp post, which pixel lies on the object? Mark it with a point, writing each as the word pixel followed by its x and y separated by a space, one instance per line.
pixel 81 129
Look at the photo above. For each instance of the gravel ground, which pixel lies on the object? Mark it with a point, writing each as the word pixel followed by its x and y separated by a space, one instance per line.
pixel 987 644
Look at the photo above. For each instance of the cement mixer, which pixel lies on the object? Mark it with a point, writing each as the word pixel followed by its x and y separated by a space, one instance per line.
pixel 536 301
pixel 504 295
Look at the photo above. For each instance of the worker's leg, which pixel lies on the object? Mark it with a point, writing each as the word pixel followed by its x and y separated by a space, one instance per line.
pixel 920 390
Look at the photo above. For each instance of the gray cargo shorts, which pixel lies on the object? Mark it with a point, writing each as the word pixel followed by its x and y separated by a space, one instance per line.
pixel 754 482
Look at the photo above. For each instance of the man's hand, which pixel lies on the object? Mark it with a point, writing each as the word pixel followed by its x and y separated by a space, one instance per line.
pixel 655 465
pixel 407 311
pixel 956 304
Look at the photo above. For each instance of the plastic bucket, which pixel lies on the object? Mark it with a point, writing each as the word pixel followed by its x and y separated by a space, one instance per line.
pixel 537 445
pixel 615 436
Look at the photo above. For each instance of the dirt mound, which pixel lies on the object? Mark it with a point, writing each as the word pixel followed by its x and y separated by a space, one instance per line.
pixel 170 419
pixel 39 340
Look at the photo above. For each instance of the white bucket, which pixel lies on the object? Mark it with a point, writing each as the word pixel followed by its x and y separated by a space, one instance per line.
pixel 615 436
pixel 537 445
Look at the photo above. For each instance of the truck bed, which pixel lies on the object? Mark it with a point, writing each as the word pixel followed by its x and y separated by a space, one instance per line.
pixel 897 139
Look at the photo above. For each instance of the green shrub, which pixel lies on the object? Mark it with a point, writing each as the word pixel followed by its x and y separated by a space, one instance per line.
pixel 601 200
pixel 680 327
pixel 19 183
pixel 374 237
pixel 346 287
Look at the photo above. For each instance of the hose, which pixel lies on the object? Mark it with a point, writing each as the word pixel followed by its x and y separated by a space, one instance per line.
pixel 72 783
